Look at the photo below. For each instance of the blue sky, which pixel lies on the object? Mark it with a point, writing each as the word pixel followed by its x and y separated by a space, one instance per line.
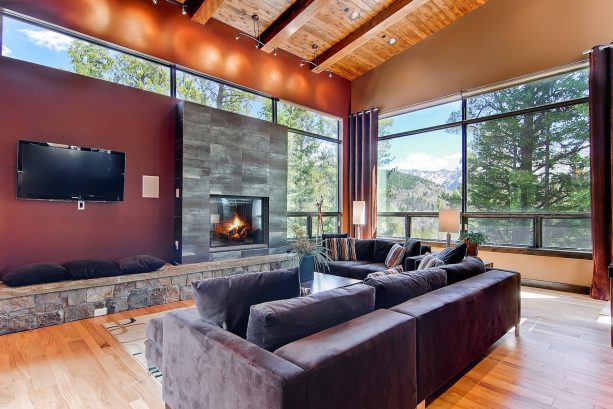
pixel 434 150
pixel 34 44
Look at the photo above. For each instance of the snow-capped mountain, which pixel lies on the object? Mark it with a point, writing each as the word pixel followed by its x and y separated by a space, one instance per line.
pixel 449 179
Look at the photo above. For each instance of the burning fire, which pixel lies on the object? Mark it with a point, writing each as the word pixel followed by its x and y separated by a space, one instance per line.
pixel 236 223
pixel 237 229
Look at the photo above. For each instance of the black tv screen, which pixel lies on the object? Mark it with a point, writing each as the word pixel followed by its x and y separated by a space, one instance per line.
pixel 49 171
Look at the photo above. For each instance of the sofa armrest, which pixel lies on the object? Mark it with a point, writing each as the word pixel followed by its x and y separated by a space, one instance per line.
pixel 368 362
pixel 425 249
pixel 208 367
pixel 411 263
pixel 456 324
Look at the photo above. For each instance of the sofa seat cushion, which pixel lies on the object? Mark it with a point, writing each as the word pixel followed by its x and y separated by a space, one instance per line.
pixel 139 264
pixel 226 301
pixel 360 272
pixel 35 274
pixel 82 269
pixel 467 268
pixel 343 268
pixel 392 290
pixel 277 323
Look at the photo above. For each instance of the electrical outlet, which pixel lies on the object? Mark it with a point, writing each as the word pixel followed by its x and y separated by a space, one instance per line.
pixel 100 311
pixel 81 205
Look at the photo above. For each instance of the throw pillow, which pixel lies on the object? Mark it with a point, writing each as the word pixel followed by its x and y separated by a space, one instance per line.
pixel 346 249
pixel 35 274
pixel 139 264
pixel 395 256
pixel 412 247
pixel 394 270
pixel 453 255
pixel 331 246
pixel 430 261
pixel 83 269
pixel 225 301
pixel 277 323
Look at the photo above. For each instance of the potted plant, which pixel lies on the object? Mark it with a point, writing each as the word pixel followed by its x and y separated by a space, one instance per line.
pixel 308 255
pixel 473 241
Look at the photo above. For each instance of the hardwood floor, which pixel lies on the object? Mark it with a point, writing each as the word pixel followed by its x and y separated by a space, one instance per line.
pixel 561 360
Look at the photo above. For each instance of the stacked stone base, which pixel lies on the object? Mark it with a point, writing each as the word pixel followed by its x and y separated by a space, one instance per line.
pixel 27 308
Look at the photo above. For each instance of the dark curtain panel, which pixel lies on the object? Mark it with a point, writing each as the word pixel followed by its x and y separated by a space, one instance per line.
pixel 601 65
pixel 363 133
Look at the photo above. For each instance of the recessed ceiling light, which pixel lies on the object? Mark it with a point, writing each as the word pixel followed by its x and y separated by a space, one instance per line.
pixel 392 41
pixel 354 15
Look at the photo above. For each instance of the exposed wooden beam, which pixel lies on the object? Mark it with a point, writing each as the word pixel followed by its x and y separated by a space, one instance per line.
pixel 386 18
pixel 201 11
pixel 296 16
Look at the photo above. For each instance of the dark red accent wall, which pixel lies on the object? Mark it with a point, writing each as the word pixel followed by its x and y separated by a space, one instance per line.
pixel 38 103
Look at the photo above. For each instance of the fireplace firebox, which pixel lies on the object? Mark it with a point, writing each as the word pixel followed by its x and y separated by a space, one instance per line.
pixel 238 222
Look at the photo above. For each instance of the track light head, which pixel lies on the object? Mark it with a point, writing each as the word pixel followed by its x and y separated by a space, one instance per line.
pixel 330 74
pixel 302 63
pixel 274 52
pixel 184 10
pixel 154 1
pixel 238 36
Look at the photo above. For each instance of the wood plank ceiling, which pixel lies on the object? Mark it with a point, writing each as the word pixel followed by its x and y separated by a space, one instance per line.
pixel 346 47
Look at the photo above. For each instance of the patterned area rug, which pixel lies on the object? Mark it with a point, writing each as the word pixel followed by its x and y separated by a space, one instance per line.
pixel 131 334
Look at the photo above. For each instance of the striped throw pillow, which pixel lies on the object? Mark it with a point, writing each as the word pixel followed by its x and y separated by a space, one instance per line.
pixel 347 249
pixel 395 256
pixel 395 270
pixel 430 261
pixel 331 246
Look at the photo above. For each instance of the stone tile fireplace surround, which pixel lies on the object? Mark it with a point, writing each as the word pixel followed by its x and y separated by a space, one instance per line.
pixel 221 153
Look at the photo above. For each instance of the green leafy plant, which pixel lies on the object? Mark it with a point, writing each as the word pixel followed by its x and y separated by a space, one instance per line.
pixel 473 238
pixel 303 247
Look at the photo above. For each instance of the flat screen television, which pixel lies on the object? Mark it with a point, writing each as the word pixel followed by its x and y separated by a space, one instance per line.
pixel 50 171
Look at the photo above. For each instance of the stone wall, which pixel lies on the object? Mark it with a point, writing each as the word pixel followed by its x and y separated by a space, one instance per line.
pixel 223 153
pixel 31 307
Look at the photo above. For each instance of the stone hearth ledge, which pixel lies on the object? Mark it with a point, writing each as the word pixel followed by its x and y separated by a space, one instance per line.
pixel 36 306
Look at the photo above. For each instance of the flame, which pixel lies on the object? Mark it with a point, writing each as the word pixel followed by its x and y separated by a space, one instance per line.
pixel 236 223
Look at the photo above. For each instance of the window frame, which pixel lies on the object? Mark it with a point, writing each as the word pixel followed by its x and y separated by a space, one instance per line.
pixel 310 216
pixel 537 217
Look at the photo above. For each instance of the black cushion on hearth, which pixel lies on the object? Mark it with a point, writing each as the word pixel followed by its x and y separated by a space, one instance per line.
pixel 139 264
pixel 31 274
pixel 81 269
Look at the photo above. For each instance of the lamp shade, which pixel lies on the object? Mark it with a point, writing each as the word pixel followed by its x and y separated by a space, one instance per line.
pixel 359 212
pixel 449 220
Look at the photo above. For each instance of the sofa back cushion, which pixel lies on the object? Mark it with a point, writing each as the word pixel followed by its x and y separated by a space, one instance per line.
pixel 382 248
pixel 467 268
pixel 277 323
pixel 226 301
pixel 394 289
pixel 365 249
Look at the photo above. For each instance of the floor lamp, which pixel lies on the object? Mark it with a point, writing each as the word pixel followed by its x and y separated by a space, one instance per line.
pixel 359 216
pixel 449 222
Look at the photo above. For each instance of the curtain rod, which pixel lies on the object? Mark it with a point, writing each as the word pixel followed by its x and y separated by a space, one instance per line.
pixel 602 47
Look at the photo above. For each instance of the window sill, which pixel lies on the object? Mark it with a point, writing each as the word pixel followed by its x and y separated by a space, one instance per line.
pixel 529 251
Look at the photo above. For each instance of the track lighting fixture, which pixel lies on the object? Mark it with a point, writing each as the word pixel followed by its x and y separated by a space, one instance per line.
pixel 256 34
pixel 315 62
pixel 184 10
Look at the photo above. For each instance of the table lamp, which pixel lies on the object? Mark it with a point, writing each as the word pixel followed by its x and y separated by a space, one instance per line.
pixel 449 222
pixel 359 216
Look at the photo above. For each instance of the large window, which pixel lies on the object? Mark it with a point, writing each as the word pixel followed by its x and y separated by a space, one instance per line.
pixel 40 45
pixel 201 90
pixel 313 169
pixel 524 176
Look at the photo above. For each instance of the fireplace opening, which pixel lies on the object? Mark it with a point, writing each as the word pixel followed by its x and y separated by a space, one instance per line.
pixel 238 222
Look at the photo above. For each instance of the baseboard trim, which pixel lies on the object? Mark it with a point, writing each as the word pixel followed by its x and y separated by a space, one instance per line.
pixel 550 285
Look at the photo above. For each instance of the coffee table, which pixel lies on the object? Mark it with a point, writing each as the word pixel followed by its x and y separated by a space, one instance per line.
pixel 323 282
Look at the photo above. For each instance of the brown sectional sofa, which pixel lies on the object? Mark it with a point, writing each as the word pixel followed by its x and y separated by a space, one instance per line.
pixel 390 358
